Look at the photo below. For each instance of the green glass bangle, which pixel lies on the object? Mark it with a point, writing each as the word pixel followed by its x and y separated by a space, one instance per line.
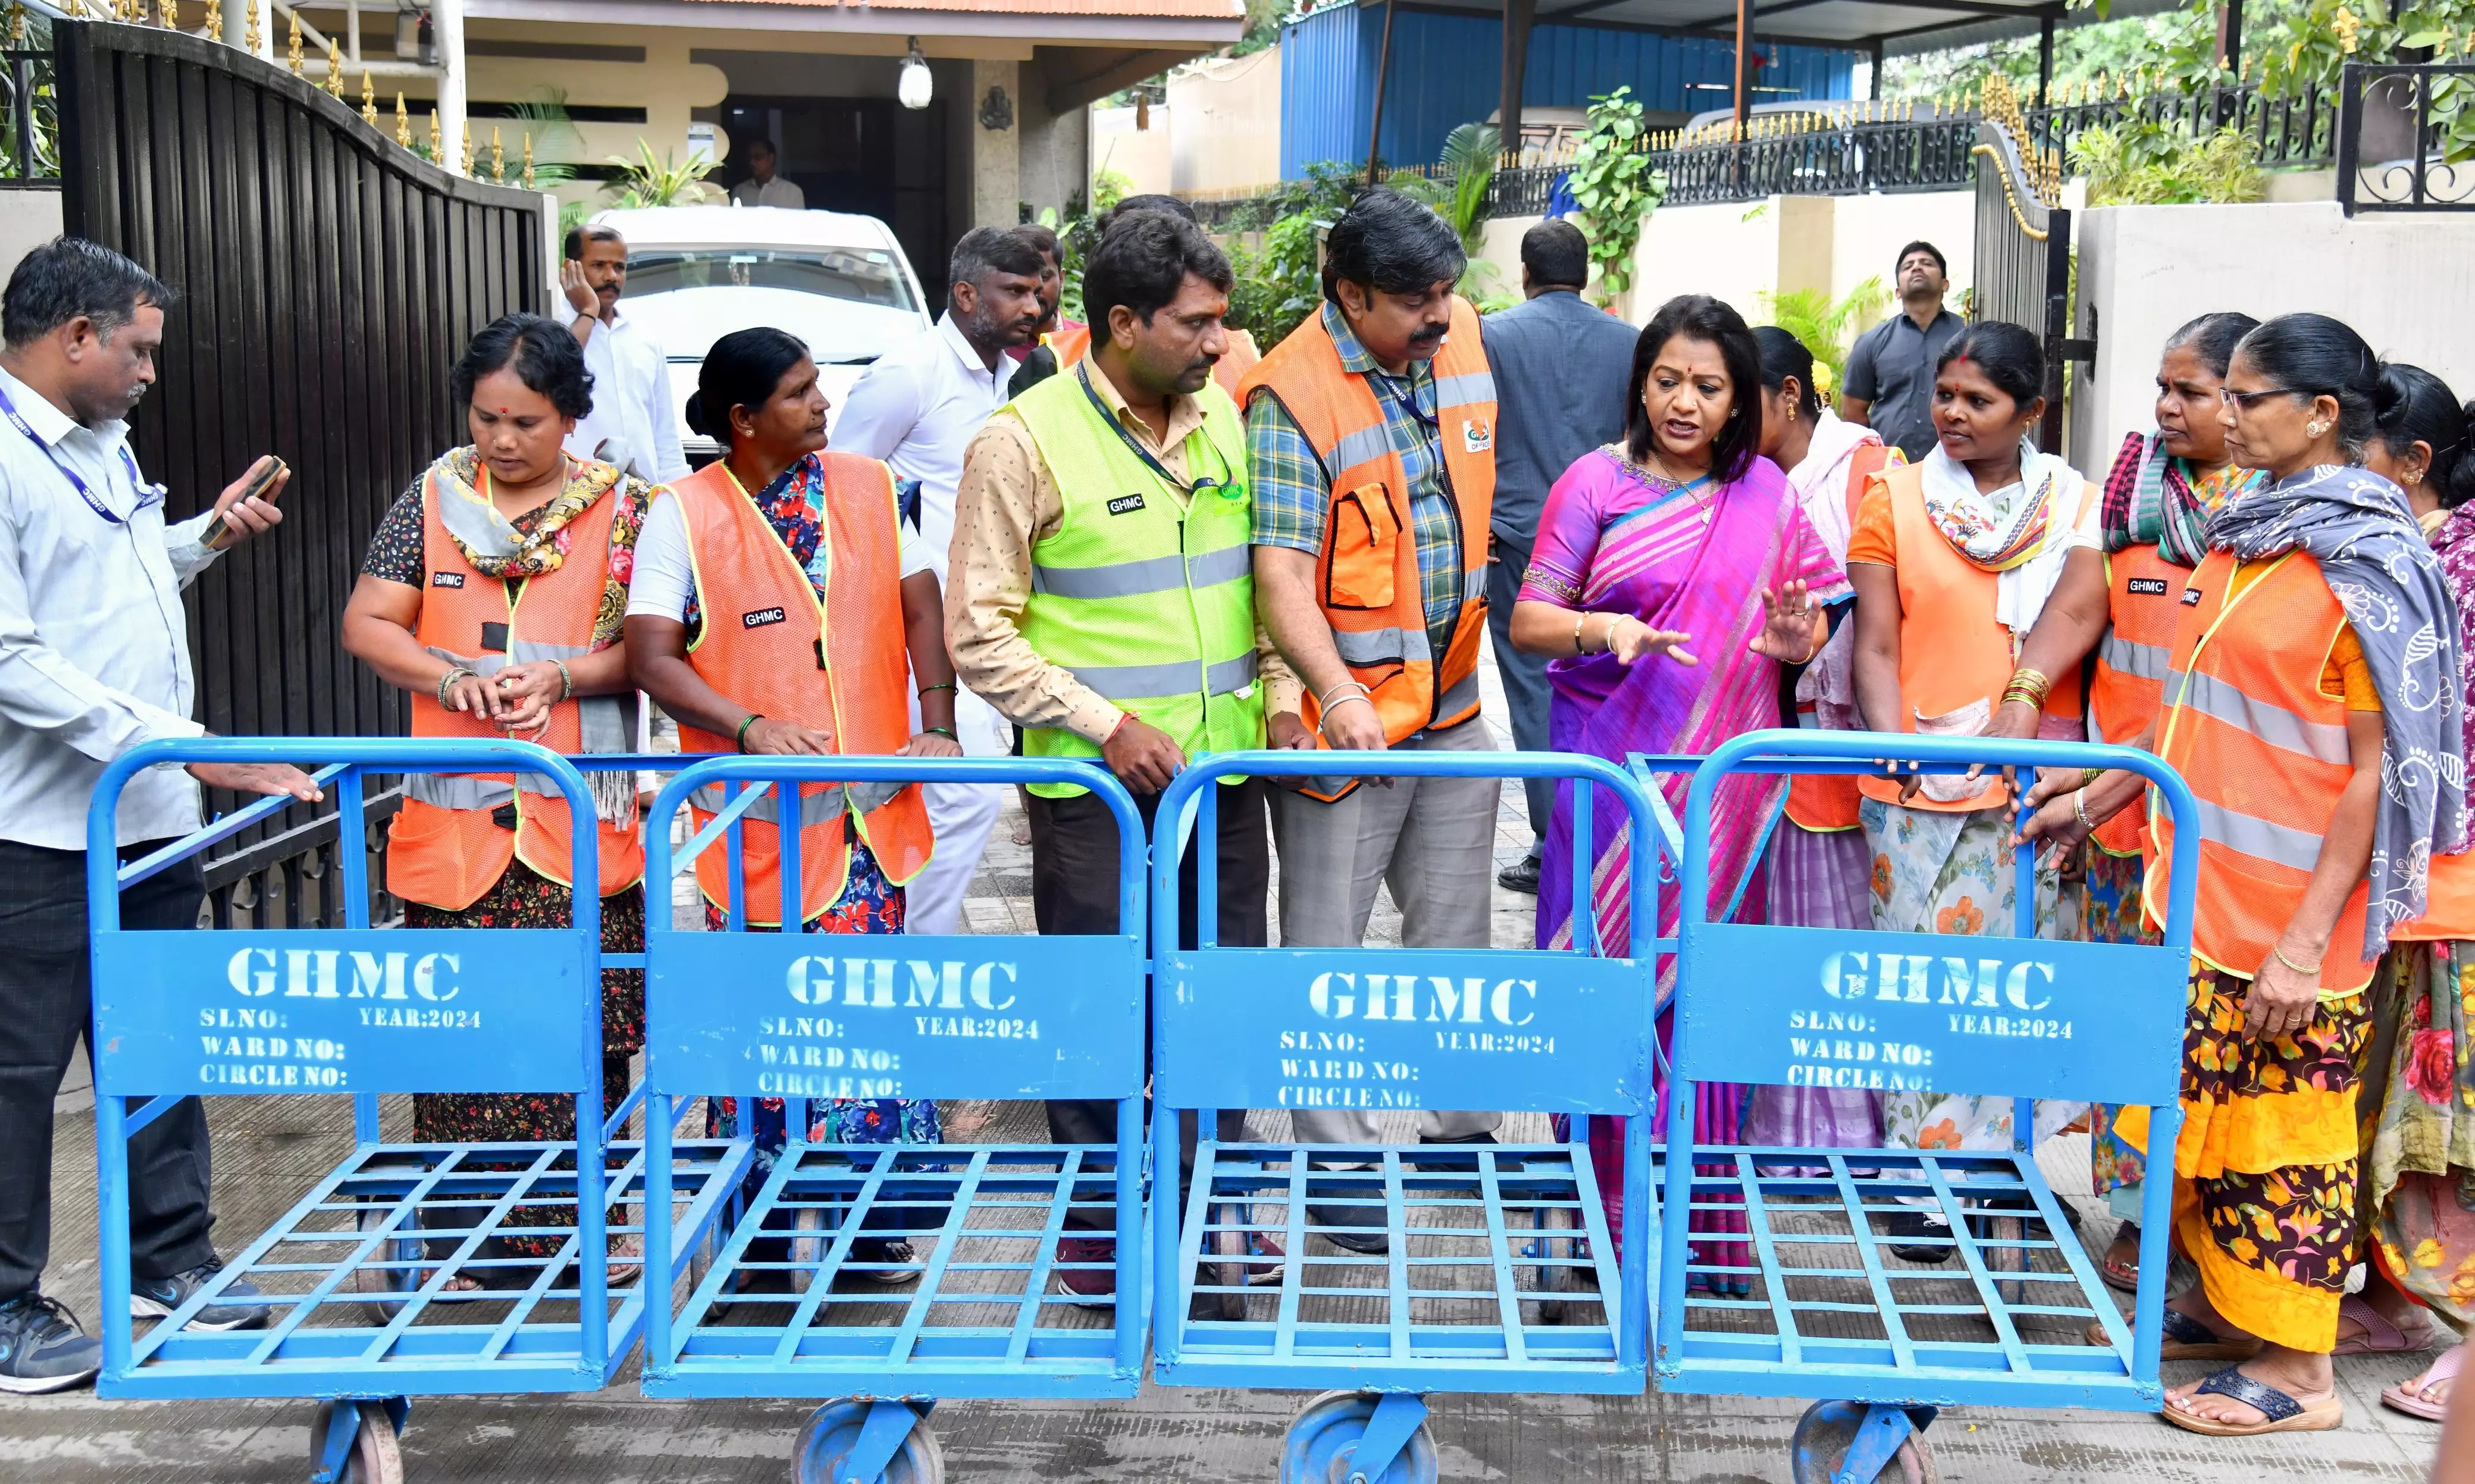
pixel 943 732
pixel 754 717
pixel 943 684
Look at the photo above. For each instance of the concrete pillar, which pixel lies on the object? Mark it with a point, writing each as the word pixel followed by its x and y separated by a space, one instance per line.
pixel 447 25
pixel 997 154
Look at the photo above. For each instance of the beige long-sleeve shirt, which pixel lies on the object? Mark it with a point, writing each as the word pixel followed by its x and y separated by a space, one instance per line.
pixel 1006 502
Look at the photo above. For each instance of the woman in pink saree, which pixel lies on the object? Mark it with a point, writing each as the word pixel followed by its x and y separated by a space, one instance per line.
pixel 1672 575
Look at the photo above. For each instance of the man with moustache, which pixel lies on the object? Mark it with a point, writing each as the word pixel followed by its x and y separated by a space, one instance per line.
pixel 1370 437
pixel 918 408
pixel 1103 601
pixel 94 660
pixel 633 423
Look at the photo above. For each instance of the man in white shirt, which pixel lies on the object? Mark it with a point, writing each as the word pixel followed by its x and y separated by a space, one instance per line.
pixel 633 423
pixel 93 661
pixel 918 408
pixel 762 187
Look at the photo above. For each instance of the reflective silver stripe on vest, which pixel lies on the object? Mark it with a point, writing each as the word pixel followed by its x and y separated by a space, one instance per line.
pixel 1227 675
pixel 483 664
pixel 1358 448
pixel 814 809
pixel 1474 585
pixel 1226 565
pixel 1117 579
pixel 1460 391
pixel 2218 699
pixel 1177 677
pixel 1364 648
pixel 607 723
pixel 2146 661
pixel 1150 574
pixel 1459 699
pixel 443 791
pixel 2264 838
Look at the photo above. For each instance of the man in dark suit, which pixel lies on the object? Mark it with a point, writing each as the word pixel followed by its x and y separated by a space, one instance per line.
pixel 1560 370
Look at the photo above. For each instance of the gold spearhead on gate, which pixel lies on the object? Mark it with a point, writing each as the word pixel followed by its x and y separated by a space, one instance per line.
pixel 334 70
pixel 403 122
pixel 296 43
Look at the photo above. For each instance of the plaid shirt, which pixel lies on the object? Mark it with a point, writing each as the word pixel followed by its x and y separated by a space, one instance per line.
pixel 1293 498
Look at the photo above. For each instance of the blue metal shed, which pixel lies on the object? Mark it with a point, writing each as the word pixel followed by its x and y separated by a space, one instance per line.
pixel 1446 70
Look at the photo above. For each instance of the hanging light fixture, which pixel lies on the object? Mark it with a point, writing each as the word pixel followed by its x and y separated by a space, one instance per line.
pixel 913 85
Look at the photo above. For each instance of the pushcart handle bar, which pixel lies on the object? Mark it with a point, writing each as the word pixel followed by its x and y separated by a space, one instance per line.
pixel 733 767
pixel 341 760
pixel 1634 1320
pixel 1131 1169
pixel 1792 746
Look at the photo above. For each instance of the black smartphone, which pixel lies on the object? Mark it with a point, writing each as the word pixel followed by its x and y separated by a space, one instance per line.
pixel 218 534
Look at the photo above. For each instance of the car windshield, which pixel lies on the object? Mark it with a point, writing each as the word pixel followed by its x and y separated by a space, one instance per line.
pixel 867 276
pixel 850 304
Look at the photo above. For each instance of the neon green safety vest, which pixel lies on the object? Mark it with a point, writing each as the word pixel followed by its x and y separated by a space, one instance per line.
pixel 1147 595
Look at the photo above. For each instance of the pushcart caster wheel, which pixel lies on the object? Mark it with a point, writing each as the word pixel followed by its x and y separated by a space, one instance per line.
pixel 375 1458
pixel 403 1247
pixel 832 1431
pixel 1553 1276
pixel 1322 1444
pixel 1826 1432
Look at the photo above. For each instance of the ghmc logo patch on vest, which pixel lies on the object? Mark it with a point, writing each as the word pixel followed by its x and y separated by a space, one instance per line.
pixel 2146 587
pixel 447 579
pixel 1477 436
pixel 1126 504
pixel 763 616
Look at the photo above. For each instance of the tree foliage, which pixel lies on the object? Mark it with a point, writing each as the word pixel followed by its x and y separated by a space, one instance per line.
pixel 1613 184
pixel 647 181
pixel 2148 163
pixel 1824 324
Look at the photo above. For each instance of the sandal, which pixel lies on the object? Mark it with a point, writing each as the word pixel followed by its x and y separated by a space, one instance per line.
pixel 2122 1277
pixel 2413 1396
pixel 2281 1413
pixel 2187 1339
pixel 2379 1335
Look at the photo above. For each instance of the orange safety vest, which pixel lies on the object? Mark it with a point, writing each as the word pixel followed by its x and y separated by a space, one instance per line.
pixel 839 666
pixel 1230 370
pixel 446 847
pixel 1070 342
pixel 1368 569
pixel 2448 904
pixel 2265 753
pixel 1951 649
pixel 1828 801
pixel 2144 595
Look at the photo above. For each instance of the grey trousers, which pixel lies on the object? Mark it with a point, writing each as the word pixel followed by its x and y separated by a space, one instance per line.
pixel 1526 689
pixel 1432 839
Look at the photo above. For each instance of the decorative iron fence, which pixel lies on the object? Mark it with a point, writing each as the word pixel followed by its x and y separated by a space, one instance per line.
pixel 329 277
pixel 1853 149
pixel 2406 141
pixel 29 119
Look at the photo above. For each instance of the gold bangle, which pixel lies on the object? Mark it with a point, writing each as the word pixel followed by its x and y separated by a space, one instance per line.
pixel 1579 620
pixel 2027 685
pixel 2079 810
pixel 2279 954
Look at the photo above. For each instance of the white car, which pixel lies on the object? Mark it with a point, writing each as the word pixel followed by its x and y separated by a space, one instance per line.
pixel 837 281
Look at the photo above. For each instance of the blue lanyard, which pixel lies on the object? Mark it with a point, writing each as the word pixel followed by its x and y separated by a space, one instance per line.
pixel 147 494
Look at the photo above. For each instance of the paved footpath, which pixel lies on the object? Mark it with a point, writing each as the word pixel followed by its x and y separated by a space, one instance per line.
pixel 268 1148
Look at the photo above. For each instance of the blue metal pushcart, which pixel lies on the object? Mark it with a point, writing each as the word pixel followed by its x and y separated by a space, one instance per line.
pixel 360 1280
pixel 1823 1309
pixel 1499 1274
pixel 800 1299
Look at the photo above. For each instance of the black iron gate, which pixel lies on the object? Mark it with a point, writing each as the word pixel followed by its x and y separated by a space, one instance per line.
pixel 2024 265
pixel 329 278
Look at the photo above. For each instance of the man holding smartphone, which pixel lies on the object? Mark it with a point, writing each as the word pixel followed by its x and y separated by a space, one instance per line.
pixel 93 661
